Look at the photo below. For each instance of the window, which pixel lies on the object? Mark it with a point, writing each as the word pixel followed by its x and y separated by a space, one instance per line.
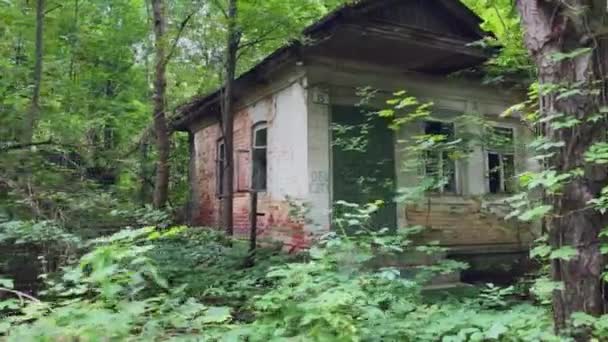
pixel 501 160
pixel 220 162
pixel 438 163
pixel 258 151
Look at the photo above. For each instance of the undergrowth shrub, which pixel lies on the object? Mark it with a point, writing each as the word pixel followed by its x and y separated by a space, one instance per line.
pixel 212 267
pixel 31 248
pixel 183 284
pixel 337 296
pixel 115 292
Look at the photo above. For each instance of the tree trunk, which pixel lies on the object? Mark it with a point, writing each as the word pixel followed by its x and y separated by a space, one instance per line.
pixel 74 41
pixel 161 184
pixel 553 29
pixel 228 118
pixel 32 115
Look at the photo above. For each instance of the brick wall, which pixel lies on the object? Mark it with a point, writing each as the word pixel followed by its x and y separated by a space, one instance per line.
pixel 276 224
pixel 459 221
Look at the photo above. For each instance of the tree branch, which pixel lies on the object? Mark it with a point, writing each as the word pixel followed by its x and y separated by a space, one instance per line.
pixel 19 146
pixel 21 295
pixel 257 41
pixel 182 26
pixel 52 9
pixel 221 8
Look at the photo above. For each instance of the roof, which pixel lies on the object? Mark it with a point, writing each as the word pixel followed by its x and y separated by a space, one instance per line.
pixel 199 105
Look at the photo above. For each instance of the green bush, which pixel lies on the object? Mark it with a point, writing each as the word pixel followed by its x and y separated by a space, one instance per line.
pixel 192 285
pixel 115 292
pixel 336 296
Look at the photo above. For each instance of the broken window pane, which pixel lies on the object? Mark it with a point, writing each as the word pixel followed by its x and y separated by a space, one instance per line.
pixel 495 174
pixel 508 162
pixel 501 160
pixel 439 128
pixel 449 173
pixel 439 165
pixel 501 176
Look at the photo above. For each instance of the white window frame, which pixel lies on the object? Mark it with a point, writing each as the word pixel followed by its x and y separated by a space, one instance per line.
pixel 254 129
pixel 457 186
pixel 488 150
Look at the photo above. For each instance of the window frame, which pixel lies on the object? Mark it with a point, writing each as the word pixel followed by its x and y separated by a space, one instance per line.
pixel 501 153
pixel 457 185
pixel 219 167
pixel 261 125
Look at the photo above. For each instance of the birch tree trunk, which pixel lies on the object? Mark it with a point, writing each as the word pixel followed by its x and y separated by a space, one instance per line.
pixel 228 118
pixel 33 113
pixel 554 28
pixel 161 184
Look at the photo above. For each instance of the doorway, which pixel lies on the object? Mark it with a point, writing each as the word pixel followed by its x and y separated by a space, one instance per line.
pixel 363 162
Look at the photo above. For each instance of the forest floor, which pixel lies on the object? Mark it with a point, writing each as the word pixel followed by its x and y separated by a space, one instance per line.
pixel 193 284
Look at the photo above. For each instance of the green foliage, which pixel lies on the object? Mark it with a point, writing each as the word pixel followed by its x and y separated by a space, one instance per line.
pixel 95 162
pixel 116 291
pixel 500 17
pixel 190 284
pixel 494 297
pixel 41 232
pixel 212 267
pixel 338 296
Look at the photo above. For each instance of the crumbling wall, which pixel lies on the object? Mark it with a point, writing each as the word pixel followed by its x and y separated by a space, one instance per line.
pixel 460 221
pixel 285 113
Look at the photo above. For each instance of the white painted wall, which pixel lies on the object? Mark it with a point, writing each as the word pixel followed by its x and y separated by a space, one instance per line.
pixel 288 144
pixel 319 158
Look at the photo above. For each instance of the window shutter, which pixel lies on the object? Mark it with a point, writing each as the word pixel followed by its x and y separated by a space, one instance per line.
pixel 243 170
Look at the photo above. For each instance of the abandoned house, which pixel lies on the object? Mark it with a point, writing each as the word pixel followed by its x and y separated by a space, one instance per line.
pixel 287 105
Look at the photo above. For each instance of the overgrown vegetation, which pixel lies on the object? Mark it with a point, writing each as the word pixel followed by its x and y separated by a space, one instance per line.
pixel 190 284
pixel 84 257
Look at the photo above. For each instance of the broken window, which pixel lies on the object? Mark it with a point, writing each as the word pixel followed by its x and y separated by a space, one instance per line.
pixel 259 155
pixel 501 161
pixel 439 164
pixel 220 162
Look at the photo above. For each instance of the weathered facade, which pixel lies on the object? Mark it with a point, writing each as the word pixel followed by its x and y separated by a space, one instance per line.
pixel 284 144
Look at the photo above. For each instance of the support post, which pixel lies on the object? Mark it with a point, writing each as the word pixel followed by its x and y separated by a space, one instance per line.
pixel 253 224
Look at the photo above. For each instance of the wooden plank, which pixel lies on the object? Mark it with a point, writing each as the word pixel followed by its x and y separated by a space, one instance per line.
pixel 417 37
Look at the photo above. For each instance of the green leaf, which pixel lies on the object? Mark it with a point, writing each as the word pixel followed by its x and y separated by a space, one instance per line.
pixel 541 251
pixel 561 56
pixel 496 331
pixel 580 319
pixel 216 314
pixel 564 253
pixel 597 153
pixel 7 283
pixel 569 93
pixel 316 253
pixel 4 327
pixel 535 213
pixel 569 123
pixel 386 113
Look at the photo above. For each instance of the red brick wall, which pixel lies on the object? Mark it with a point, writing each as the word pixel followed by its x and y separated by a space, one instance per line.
pixel 205 142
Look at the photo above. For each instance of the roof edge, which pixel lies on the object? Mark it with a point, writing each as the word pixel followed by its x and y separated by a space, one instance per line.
pixel 193 109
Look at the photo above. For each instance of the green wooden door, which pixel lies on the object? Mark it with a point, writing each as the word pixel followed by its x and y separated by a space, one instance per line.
pixel 364 162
